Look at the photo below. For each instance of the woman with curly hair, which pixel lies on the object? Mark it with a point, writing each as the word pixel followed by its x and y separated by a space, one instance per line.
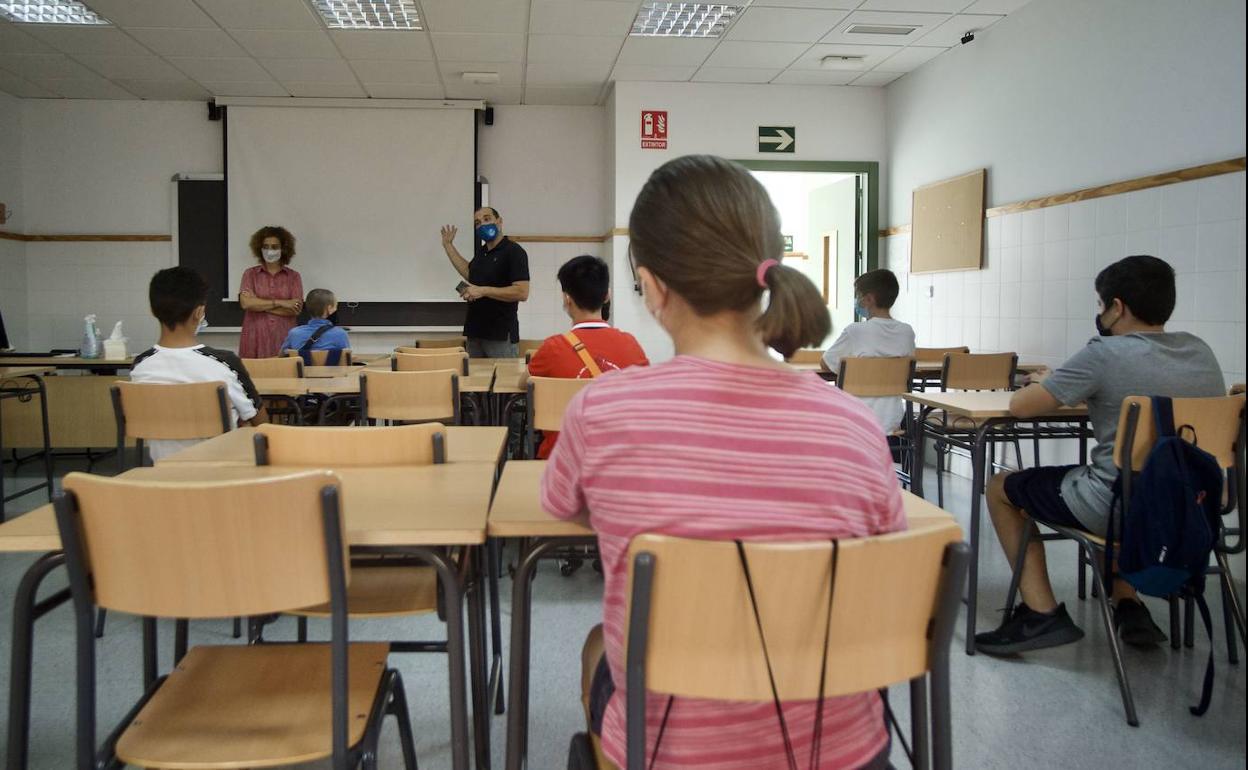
pixel 271 294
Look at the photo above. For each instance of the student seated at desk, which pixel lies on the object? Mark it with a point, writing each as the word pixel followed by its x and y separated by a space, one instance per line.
pixel 592 347
pixel 319 333
pixel 178 296
pixel 721 442
pixel 1134 356
pixel 879 335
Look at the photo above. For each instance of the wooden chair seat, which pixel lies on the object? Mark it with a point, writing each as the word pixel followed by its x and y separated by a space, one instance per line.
pixel 251 706
pixel 380 592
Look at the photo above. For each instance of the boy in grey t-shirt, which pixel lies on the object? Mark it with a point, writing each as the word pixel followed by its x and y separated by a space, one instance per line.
pixel 1134 356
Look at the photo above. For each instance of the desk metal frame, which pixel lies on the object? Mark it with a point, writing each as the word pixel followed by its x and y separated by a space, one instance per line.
pixel 10 389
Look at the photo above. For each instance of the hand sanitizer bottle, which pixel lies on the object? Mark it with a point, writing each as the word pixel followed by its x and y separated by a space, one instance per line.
pixel 90 339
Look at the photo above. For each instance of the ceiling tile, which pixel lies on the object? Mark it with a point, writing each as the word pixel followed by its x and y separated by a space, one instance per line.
pixel 840 5
pixel 187 42
pixel 270 88
pixel 15 86
pixel 566 73
pixel 910 57
pixel 379 71
pixel 164 89
pixel 564 96
pixel 152 13
pixel 92 40
pixel 789 25
pixel 265 14
pixel 132 67
pixel 816 77
pixel 922 6
pixel 286 43
pixel 648 72
pixel 925 22
pixel 581 17
pixel 508 73
pixel 590 49
pixel 88 88
pixel 478 16
pixel 326 90
pixel 738 53
pixel 652 51
pixel 492 94
pixel 995 6
pixel 735 75
pixel 305 71
pixel 498 48
pixel 13 40
pixel 383 44
pixel 404 91
pixel 950 33
pixel 45 66
pixel 221 69
pixel 876 78
pixel 873 55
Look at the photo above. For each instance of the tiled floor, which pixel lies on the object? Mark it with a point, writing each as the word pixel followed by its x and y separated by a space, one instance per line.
pixel 1057 708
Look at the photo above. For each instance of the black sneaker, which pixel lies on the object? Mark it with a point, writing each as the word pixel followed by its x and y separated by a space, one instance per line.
pixel 1027 630
pixel 1135 626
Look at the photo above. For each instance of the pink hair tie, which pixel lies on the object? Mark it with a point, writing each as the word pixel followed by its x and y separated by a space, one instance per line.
pixel 763 267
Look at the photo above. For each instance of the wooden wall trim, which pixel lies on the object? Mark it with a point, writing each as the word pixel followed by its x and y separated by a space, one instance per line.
pixel 1102 191
pixel 86 238
pixel 559 238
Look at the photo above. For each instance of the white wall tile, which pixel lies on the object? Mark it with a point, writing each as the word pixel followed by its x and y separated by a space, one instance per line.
pixel 1053 299
pixel 1054 338
pixel 990 300
pixel 1056 223
pixel 1224 340
pixel 1185 296
pixel 1144 209
pixel 1032 261
pixel 1109 249
pixel 1031 306
pixel 1220 198
pixel 1178 204
pixel 1218 247
pixel 970 305
pixel 990 334
pixel 1080 300
pixel 1033 226
pixel 1011 264
pixel 1011 230
pixel 1111 215
pixel 971 330
pixel 992 267
pixel 992 233
pixel 1082 218
pixel 1011 300
pixel 1030 340
pixel 1081 257
pixel 1077 335
pixel 1179 246
pixel 1218 297
pixel 1009 337
pixel 1055 267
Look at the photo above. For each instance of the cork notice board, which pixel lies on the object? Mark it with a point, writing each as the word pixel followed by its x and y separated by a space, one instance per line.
pixel 947 225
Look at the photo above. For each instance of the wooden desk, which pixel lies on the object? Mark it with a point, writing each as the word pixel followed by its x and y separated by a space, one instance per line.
pixel 331 371
pixel 7 372
pixel 80 415
pixel 67 362
pixel 977 418
pixel 281 386
pixel 19 385
pixel 468 444
pixel 517 512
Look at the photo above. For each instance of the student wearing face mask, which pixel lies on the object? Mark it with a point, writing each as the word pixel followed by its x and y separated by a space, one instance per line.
pixel 497 282
pixel 271 294
pixel 177 296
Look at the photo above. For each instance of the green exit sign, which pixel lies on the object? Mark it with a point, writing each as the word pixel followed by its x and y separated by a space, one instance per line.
pixel 777 139
pixel 788 242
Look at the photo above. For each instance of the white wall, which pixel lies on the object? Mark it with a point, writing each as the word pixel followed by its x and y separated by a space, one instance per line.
pixel 1065 94
pixel 836 204
pixel 12 253
pixel 833 123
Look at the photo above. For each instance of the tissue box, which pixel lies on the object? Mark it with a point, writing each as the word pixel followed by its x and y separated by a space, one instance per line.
pixel 114 349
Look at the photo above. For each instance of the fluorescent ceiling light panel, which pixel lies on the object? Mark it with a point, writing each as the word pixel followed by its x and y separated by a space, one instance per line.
pixel 663 19
pixel 879 29
pixel 50 12
pixel 370 14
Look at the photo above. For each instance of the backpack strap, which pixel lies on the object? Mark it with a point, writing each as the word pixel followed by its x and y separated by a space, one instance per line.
pixel 1206 688
pixel 1163 416
pixel 305 350
pixel 586 358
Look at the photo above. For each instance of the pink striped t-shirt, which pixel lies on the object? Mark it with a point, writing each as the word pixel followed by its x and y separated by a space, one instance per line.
pixel 703 449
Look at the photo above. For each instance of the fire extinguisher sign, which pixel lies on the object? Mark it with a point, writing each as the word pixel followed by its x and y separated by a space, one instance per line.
pixel 654 129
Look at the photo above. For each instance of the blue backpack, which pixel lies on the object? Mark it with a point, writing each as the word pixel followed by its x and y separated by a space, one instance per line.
pixel 1172 521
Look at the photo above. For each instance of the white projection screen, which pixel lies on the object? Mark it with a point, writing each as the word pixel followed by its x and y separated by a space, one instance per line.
pixel 363 190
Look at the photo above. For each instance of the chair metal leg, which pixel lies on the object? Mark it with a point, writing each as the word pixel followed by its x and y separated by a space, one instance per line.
pixel 920 735
pixel 1019 558
pixel 302 628
pixel 1083 577
pixel 1128 701
pixel 398 707
pixel 1175 637
pixel 1228 620
pixel 940 475
pixel 1237 609
pixel 100 616
pixel 238 628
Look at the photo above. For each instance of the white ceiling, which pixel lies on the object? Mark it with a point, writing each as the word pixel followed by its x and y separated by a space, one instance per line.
pixel 544 51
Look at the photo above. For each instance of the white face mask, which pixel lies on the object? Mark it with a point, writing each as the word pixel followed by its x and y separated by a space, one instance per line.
pixel 271 255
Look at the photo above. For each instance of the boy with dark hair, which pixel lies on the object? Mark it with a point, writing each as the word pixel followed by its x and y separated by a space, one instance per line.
pixel 319 333
pixel 878 335
pixel 177 296
pixel 592 347
pixel 1133 356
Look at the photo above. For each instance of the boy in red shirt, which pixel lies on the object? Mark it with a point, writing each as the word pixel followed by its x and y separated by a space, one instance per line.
pixel 592 347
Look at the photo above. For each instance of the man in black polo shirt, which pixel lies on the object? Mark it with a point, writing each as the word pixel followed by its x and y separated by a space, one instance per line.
pixel 498 280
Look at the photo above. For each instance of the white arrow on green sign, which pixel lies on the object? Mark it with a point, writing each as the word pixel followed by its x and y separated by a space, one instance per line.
pixel 777 139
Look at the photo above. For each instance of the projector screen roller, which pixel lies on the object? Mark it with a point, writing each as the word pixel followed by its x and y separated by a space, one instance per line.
pixel 364 192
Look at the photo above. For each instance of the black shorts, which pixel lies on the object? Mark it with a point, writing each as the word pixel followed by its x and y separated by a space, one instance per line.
pixel 1038 491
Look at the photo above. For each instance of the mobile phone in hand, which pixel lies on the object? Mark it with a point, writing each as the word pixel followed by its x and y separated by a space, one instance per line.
pixel 460 288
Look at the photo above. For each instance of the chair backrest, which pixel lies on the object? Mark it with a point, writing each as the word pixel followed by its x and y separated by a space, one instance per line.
pixel 701 640
pixel 340 447
pixel 978 371
pixel 203 550
pixel 1216 421
pixel 410 395
pixel 439 342
pixel 282 366
pixel 430 351
pixel 869 377
pixel 936 354
pixel 549 397
pixel 428 362
pixel 806 356
pixel 528 346
pixel 321 357
pixel 192 410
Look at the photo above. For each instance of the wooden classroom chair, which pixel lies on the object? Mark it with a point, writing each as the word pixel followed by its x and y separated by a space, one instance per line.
pixel 973 371
pixel 931 355
pixel 147 411
pixel 325 357
pixel 545 402
pixel 281 366
pixel 882 377
pixel 806 356
pixel 429 351
pixel 859 614
pixel 173 550
pixel 380 587
pixel 429 362
pixel 1218 426
pixel 410 396
pixel 440 342
pixel 525 348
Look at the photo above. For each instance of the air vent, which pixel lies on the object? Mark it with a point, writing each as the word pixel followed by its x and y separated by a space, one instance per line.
pixel 879 29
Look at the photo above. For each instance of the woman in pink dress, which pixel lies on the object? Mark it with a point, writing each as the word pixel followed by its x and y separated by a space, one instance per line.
pixel 271 294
